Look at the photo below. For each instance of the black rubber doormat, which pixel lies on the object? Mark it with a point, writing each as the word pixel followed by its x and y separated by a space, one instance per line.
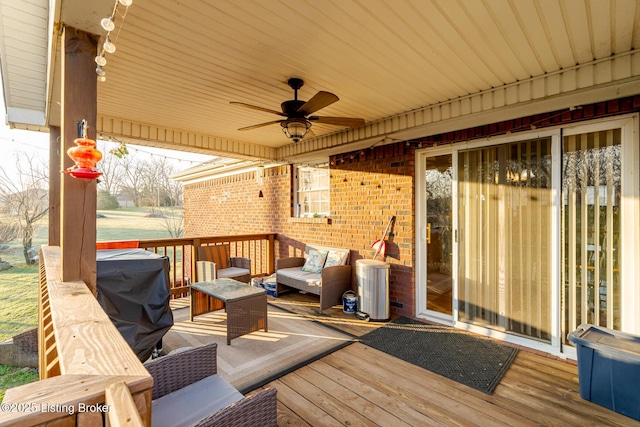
pixel 476 362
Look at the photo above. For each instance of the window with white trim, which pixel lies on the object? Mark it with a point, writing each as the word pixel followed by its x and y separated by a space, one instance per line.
pixel 312 191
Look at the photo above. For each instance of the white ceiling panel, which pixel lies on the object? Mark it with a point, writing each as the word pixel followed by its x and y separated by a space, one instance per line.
pixel 179 64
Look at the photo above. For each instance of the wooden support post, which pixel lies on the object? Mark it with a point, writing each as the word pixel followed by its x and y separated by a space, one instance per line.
pixel 54 185
pixel 78 196
pixel 271 255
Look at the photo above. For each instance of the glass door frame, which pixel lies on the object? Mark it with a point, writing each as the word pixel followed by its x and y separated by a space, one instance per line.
pixel 630 220
pixel 421 236
pixel 630 126
pixel 554 346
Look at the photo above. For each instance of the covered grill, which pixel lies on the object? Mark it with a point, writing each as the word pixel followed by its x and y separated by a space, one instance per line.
pixel 133 289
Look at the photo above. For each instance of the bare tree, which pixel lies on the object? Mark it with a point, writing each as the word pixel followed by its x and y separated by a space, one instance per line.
pixel 8 232
pixel 112 171
pixel 173 221
pixel 25 198
pixel 133 182
pixel 169 193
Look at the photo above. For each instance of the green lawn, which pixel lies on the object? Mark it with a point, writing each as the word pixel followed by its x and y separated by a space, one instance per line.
pixel 11 377
pixel 19 284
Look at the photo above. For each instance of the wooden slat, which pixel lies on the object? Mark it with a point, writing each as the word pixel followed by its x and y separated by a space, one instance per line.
pixel 361 385
pixel 123 411
pixel 81 354
pixel 88 334
pixel 536 390
pixel 66 391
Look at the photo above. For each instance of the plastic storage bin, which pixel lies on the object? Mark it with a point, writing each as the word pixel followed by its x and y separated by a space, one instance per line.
pixel 609 368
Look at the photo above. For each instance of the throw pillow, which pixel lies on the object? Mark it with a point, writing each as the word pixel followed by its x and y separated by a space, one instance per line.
pixel 335 258
pixel 314 261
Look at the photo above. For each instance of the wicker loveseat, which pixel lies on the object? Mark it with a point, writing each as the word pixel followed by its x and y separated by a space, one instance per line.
pixel 329 284
pixel 188 392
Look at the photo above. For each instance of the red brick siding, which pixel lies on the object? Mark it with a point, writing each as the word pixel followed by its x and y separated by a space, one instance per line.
pixel 367 188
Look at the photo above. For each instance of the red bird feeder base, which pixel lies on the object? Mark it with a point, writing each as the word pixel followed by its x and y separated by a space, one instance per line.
pixel 83 173
pixel 84 154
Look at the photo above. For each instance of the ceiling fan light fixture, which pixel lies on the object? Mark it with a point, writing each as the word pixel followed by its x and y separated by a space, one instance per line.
pixel 296 129
pixel 298 120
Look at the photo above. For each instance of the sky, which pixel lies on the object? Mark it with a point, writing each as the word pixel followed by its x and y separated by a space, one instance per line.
pixel 14 141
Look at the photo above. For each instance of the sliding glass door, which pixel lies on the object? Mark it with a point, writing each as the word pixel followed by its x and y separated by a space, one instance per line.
pixel 439 233
pixel 504 272
pixel 532 235
pixel 592 226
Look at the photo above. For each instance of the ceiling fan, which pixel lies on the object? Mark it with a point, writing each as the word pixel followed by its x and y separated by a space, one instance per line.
pixel 297 122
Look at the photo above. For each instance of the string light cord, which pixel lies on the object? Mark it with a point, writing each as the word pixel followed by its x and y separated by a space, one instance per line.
pixel 109 46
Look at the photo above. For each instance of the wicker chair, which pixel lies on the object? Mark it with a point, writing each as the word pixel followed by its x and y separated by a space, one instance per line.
pixel 215 262
pixel 186 385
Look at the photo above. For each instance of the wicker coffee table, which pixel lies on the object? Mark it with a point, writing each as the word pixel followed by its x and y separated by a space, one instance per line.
pixel 246 305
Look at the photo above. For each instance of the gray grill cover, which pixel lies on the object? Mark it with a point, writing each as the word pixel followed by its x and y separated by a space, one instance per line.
pixel 133 289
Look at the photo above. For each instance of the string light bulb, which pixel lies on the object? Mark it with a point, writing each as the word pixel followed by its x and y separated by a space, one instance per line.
pixel 101 60
pixel 108 46
pixel 107 23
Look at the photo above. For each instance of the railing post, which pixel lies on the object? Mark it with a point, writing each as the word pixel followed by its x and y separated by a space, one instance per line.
pixel 123 410
pixel 194 257
pixel 271 255
pixel 75 369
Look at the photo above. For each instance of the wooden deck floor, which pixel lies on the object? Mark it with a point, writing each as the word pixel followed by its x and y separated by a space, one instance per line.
pixel 359 385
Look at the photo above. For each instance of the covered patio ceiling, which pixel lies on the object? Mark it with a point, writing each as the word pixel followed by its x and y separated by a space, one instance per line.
pixel 409 68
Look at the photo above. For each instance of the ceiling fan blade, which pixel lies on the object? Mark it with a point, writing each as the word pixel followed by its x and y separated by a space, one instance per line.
pixel 351 122
pixel 255 107
pixel 261 125
pixel 318 101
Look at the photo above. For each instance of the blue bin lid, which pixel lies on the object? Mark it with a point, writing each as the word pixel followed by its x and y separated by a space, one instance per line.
pixel 606 339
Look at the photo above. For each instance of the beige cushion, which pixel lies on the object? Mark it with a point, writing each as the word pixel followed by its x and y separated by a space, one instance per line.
pixel 296 273
pixel 194 402
pixel 205 271
pixel 232 272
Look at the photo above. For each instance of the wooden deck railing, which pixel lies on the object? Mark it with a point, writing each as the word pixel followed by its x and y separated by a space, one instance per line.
pixel 88 373
pixel 82 355
pixel 259 248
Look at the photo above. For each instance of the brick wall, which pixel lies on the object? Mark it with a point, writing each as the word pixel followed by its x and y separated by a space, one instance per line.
pixel 367 188
pixel 366 191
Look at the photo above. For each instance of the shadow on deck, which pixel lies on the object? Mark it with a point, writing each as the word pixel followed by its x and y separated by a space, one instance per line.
pixel 358 385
